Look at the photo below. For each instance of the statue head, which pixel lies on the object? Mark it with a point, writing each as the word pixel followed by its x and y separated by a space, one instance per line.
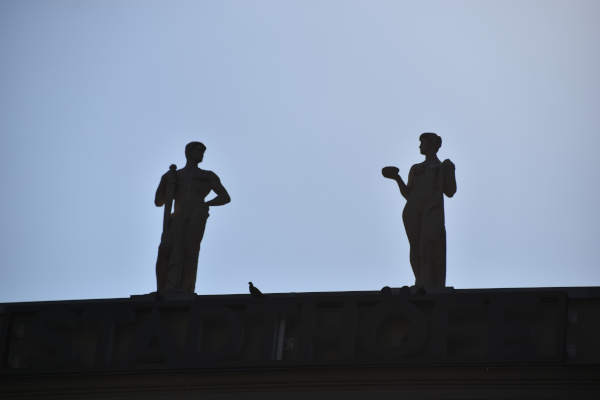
pixel 194 152
pixel 430 143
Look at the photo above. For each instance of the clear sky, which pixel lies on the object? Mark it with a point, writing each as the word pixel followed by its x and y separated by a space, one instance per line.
pixel 300 104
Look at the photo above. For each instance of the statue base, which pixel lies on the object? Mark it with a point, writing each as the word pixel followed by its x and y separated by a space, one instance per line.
pixel 167 295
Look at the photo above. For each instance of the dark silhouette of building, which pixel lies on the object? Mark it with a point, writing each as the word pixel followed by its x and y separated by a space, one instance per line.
pixel 458 344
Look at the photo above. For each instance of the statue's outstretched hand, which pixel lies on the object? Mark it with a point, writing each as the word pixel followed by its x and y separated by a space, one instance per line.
pixel 390 172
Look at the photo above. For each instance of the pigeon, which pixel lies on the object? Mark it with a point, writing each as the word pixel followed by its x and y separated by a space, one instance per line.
pixel 254 290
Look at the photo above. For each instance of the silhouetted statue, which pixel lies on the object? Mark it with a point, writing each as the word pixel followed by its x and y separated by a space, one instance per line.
pixel 177 260
pixel 423 214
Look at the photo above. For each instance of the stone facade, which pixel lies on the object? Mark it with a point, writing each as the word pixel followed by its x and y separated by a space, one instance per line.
pixel 456 344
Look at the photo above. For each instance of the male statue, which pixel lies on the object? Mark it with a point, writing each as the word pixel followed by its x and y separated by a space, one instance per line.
pixel 177 260
pixel 423 215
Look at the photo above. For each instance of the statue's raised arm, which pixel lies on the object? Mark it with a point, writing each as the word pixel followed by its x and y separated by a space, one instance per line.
pixel 222 197
pixel 394 174
pixel 449 180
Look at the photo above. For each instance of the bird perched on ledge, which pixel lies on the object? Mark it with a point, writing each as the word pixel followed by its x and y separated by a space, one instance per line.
pixel 254 290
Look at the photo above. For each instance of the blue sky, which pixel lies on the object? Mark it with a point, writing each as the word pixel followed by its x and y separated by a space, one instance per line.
pixel 300 104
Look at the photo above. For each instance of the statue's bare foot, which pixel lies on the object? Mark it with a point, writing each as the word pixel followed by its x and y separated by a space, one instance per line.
pixel 417 290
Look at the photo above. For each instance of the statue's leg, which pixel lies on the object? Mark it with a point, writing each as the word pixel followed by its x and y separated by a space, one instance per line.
pixel 412 225
pixel 176 250
pixel 441 262
pixel 162 265
pixel 433 249
pixel 194 235
pixel 425 248
pixel 162 260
